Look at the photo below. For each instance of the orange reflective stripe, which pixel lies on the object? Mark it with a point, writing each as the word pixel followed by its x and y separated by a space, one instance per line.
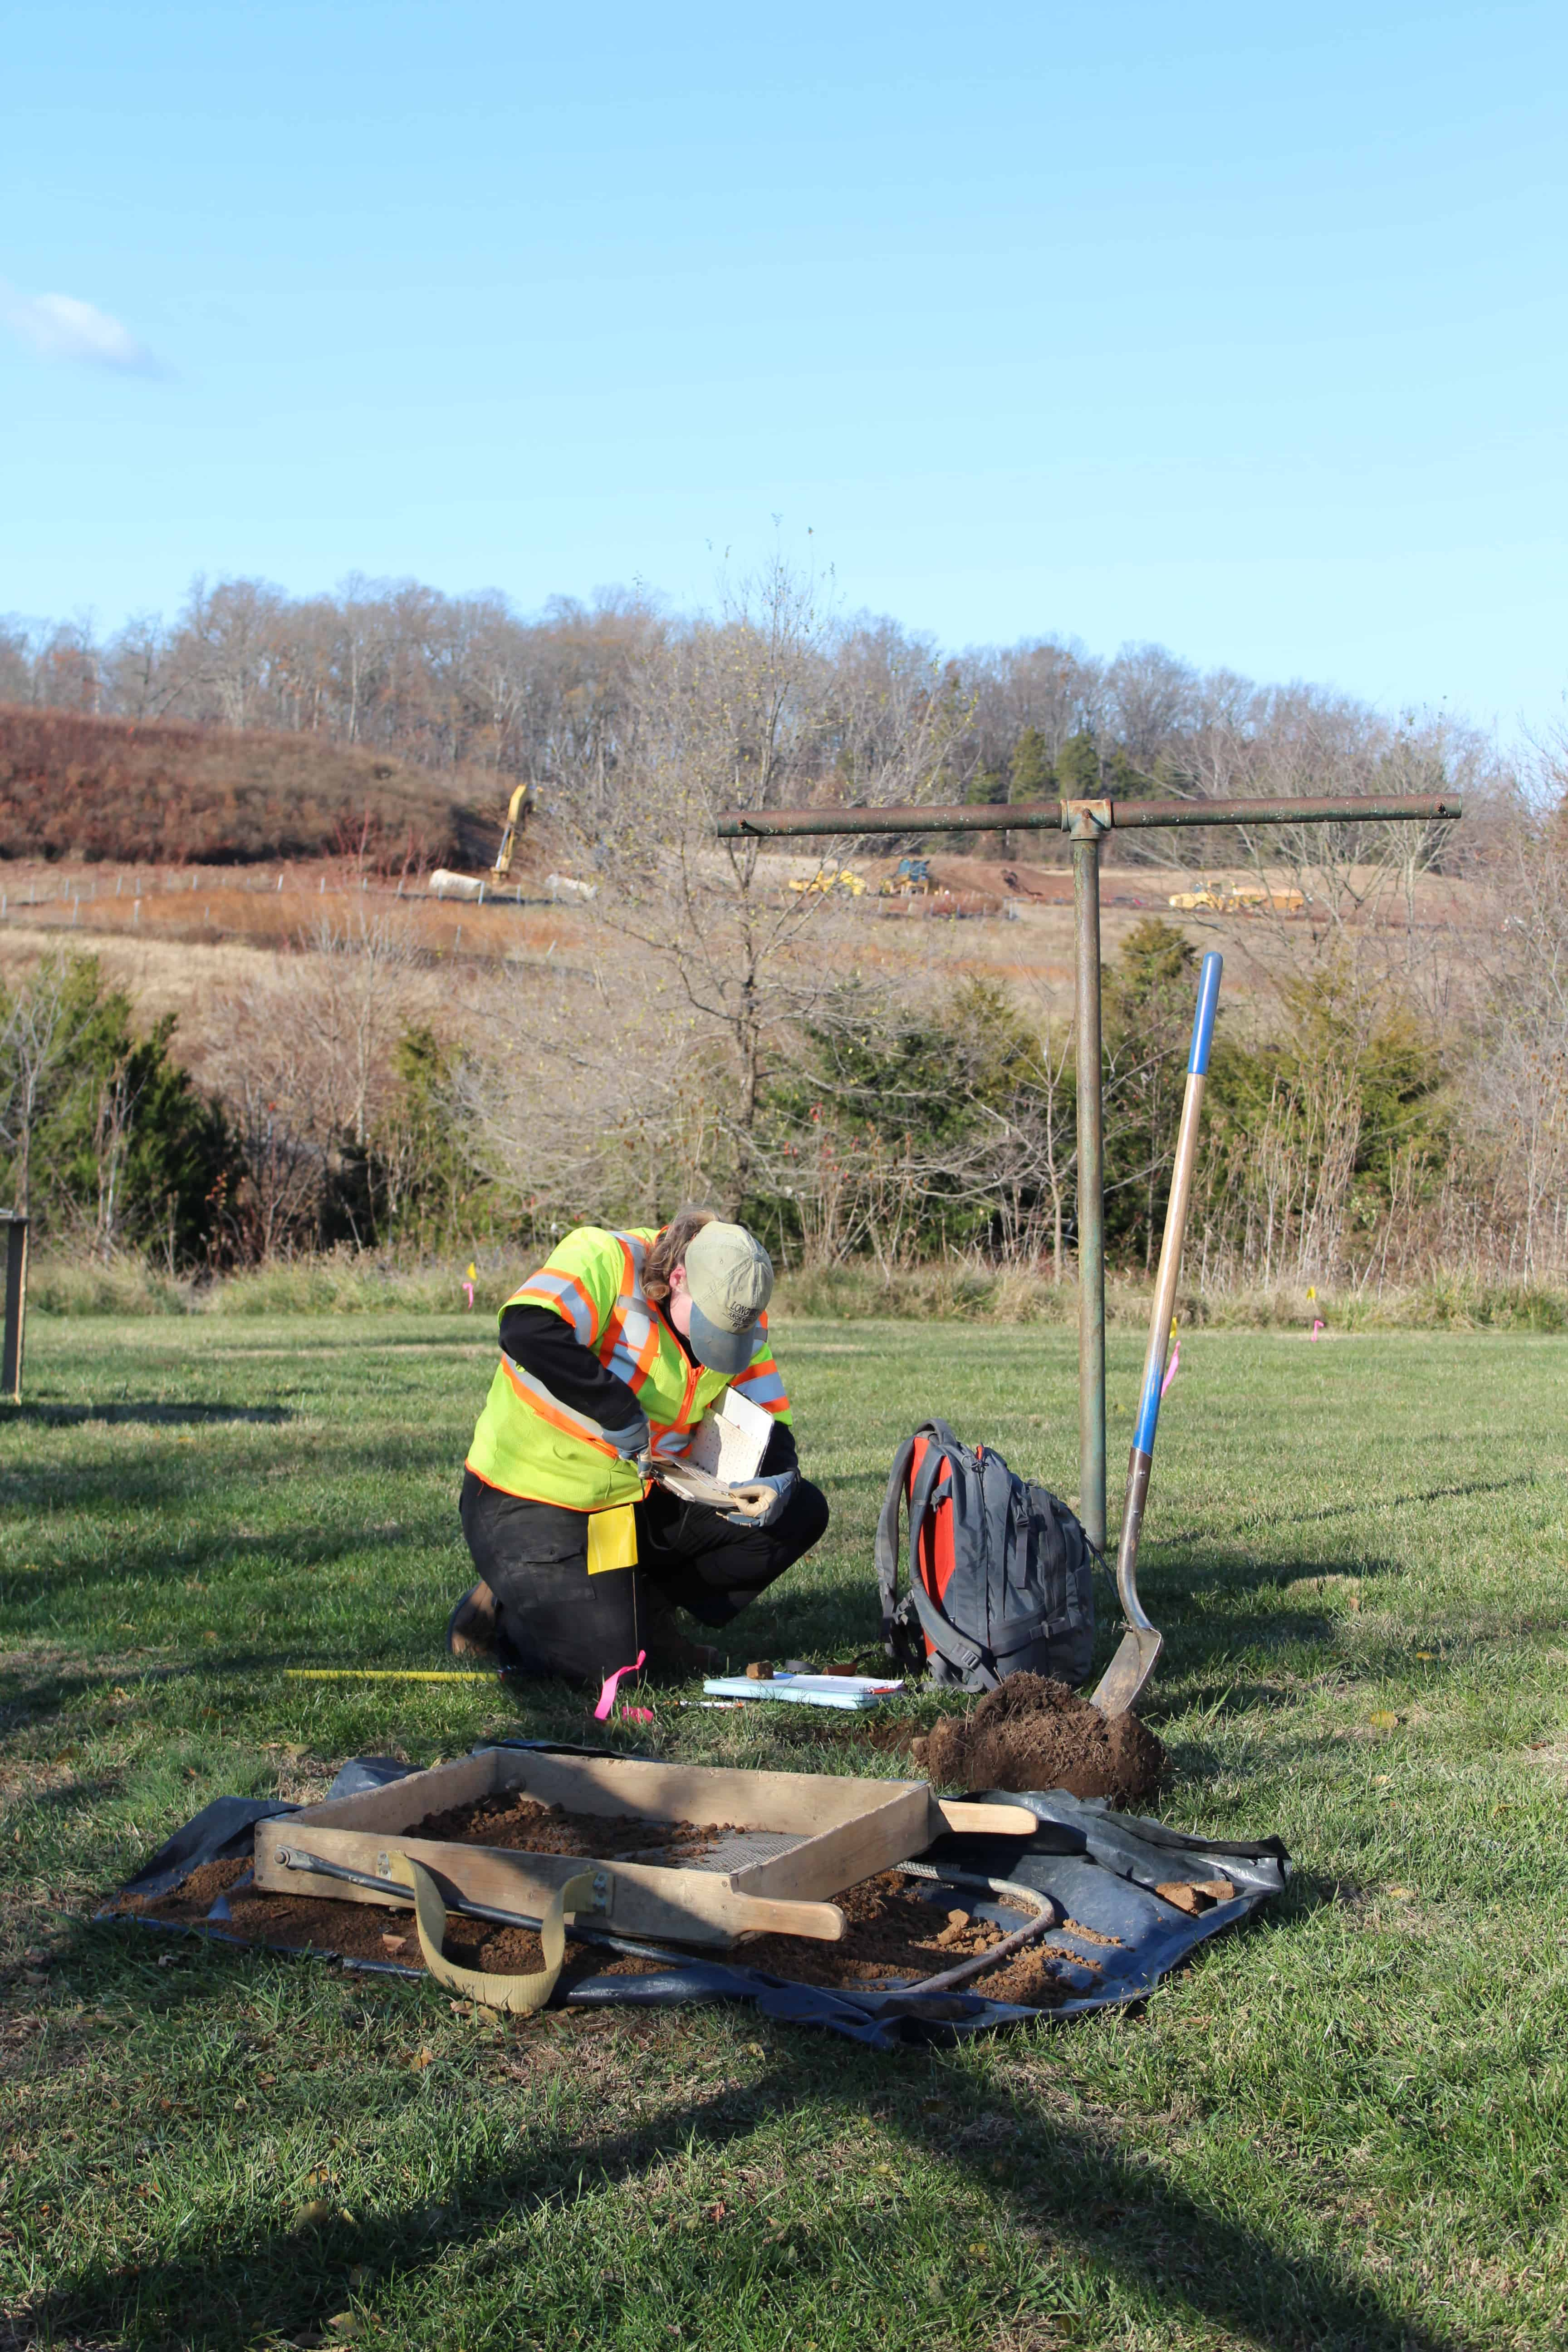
pixel 566 1295
pixel 762 1383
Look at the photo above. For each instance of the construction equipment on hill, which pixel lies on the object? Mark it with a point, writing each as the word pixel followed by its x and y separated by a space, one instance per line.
pixel 827 878
pixel 520 808
pixel 911 878
pixel 1219 897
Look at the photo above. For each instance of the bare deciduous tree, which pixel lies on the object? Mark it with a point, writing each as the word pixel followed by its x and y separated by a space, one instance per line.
pixel 33 1048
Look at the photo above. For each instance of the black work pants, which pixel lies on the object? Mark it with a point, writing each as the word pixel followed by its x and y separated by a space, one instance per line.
pixel 557 1618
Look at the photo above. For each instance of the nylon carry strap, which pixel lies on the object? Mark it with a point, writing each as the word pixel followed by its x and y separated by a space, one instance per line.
pixel 521 1995
pixel 886 1551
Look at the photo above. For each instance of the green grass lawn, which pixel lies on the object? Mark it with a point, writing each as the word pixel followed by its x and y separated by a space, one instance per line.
pixel 1342 2126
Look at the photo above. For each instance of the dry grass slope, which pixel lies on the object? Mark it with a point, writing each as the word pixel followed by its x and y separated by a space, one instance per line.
pixel 74 786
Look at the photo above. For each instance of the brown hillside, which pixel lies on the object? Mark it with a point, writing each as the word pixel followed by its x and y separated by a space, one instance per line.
pixel 72 786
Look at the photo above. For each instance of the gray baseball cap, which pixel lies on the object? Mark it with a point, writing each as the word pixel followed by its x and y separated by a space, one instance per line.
pixel 731 1278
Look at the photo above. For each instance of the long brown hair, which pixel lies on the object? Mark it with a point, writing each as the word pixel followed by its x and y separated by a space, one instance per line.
pixel 669 1250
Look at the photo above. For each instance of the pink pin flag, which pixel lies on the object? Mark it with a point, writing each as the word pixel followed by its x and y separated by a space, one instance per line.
pixel 607 1696
pixel 1171 1368
pixel 1318 1325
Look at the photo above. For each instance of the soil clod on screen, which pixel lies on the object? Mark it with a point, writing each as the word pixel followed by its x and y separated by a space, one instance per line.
pixel 524 1825
pixel 1034 1733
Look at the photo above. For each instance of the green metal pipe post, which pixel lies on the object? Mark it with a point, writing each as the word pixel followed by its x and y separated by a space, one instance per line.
pixel 1090 1184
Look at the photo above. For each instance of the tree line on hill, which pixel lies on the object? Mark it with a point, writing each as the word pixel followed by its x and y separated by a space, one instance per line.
pixel 564 699
pixel 1344 1145
pixel 1392 1101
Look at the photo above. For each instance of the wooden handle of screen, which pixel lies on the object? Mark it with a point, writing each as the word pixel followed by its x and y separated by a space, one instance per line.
pixel 984 1820
pixel 762 1915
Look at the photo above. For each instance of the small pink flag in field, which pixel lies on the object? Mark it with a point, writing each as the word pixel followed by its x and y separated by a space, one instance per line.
pixel 1171 1368
pixel 607 1696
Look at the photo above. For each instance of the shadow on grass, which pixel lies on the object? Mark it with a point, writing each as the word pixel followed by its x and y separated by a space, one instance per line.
pixel 1361 1503
pixel 216 1554
pixel 1226 1572
pixel 72 1416
pixel 1115 2219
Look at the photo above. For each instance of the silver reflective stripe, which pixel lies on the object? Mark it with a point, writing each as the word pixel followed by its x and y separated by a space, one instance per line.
pixel 623 1362
pixel 568 1296
pixel 556 1410
pixel 637 1318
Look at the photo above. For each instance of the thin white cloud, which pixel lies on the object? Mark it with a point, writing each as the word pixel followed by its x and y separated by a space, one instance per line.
pixel 59 327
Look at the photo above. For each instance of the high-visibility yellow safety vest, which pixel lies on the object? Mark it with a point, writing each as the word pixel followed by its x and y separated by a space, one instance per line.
pixel 528 1443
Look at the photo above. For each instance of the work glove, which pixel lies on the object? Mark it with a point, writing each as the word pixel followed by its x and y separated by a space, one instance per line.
pixel 783 1484
pixel 635 1439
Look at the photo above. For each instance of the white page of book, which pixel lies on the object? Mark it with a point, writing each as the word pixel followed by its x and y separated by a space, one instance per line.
pixel 730 1440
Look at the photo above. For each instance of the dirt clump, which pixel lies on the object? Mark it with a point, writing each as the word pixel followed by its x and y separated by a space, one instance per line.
pixel 1201 1894
pixel 1035 1733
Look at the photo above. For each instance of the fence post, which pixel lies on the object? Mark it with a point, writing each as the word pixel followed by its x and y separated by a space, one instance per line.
pixel 15 1304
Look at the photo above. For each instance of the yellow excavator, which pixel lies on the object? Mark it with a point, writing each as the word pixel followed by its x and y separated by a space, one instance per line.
pixel 518 809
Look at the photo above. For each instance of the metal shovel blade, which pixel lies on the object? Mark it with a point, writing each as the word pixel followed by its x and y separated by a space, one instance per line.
pixel 1122 1683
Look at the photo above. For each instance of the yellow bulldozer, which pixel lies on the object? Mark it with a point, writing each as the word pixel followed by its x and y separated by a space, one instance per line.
pixel 828 878
pixel 1218 898
pixel 911 878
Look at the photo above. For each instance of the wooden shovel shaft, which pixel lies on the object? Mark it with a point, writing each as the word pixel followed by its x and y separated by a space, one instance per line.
pixel 1140 1461
pixel 1139 1652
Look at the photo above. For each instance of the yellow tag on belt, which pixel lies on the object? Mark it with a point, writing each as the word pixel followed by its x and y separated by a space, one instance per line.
pixel 612 1539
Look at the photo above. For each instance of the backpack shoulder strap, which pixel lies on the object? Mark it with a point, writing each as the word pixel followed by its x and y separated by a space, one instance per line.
pixel 940 1446
pixel 945 1450
pixel 886 1551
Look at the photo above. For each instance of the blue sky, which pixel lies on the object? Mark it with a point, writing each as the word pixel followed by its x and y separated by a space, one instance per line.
pixel 1243 330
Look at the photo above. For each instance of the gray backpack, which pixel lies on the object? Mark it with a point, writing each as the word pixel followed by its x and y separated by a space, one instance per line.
pixel 1000 1571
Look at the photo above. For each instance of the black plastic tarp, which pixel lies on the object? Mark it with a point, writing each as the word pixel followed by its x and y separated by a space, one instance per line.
pixel 1101 1867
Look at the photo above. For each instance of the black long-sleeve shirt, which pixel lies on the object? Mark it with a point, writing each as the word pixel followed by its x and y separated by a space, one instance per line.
pixel 545 1345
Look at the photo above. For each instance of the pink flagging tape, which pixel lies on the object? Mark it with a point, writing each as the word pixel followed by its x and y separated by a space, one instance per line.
pixel 607 1696
pixel 1171 1368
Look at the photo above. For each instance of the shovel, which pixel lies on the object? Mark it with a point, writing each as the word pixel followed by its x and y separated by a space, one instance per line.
pixel 1128 1674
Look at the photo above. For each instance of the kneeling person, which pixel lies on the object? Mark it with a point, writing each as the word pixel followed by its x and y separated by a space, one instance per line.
pixel 620 1341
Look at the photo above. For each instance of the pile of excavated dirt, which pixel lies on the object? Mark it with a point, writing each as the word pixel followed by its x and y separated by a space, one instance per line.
pixel 1034 1733
pixel 524 1825
pixel 896 1937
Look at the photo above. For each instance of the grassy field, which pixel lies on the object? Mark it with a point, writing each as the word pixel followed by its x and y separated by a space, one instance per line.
pixel 1342 2126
